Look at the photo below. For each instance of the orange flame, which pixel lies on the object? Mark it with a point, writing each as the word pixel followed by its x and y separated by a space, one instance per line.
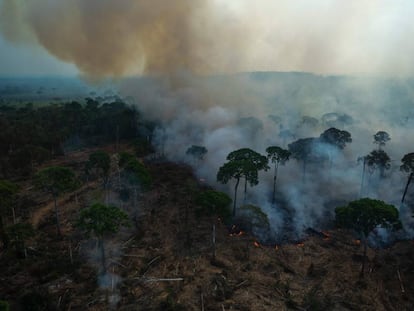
pixel 237 234
pixel 276 247
pixel 300 244
pixel 256 244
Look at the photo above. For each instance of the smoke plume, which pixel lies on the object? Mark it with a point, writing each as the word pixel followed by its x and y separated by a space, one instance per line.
pixel 105 38
pixel 114 38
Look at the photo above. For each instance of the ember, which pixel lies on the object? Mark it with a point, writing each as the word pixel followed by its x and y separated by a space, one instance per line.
pixel 357 242
pixel 240 233
pixel 300 244
pixel 327 235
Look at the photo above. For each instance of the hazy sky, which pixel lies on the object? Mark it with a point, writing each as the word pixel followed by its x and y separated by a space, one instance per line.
pixel 114 38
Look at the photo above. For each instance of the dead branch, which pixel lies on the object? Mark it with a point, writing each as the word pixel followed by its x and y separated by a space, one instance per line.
pixel 119 264
pixel 147 280
pixel 401 282
pixel 241 284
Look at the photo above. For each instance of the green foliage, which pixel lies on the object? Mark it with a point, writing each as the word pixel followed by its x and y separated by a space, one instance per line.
pixel 4 305
pixel 364 215
pixel 56 180
pixel 378 159
pixel 101 219
pixel 124 158
pixel 336 137
pixel 228 171
pixel 254 216
pixel 214 203
pixel 8 191
pixel 198 152
pixel 142 147
pixel 20 232
pixel 136 174
pixel 277 154
pixel 408 163
pixel 101 161
pixel 381 138
pixel 302 149
pixel 242 163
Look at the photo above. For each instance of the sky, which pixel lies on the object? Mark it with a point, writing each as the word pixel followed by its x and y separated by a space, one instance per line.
pixel 103 38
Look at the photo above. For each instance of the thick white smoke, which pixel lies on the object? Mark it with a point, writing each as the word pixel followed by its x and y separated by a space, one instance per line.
pixel 214 112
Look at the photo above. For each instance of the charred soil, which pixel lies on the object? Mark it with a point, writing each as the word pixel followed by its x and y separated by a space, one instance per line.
pixel 165 261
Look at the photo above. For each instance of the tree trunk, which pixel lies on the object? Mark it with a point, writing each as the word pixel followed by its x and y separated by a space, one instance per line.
pixel 406 187
pixel 274 183
pixel 245 191
pixel 235 196
pixel 361 275
pixel 304 172
pixel 106 191
pixel 103 257
pixel 362 179
pixel 214 242
pixel 59 232
pixel 3 235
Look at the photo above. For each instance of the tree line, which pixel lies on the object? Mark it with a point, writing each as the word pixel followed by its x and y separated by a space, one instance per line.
pixel 31 134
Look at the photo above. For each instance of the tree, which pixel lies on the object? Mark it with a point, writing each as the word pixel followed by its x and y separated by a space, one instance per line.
pixel 101 162
pixel 381 138
pixel 8 191
pixel 364 215
pixel 407 166
pixel 101 220
pixel 302 150
pixel 197 152
pixel 56 180
pixel 19 233
pixel 137 176
pixel 242 163
pixel 378 159
pixel 213 203
pixel 278 156
pixel 336 138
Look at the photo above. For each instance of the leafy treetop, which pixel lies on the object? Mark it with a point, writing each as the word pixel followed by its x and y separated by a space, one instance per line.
pixel 8 190
pixel 408 163
pixel 364 215
pixel 277 154
pixel 56 179
pixel 101 219
pixel 197 151
pixel 335 137
pixel 381 138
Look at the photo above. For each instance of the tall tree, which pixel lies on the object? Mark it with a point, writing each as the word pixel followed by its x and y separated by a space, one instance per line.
pixel 378 159
pixel 137 177
pixel 302 150
pixel 8 191
pixel 196 152
pixel 101 162
pixel 407 166
pixel 364 215
pixel 381 138
pixel 278 156
pixel 336 139
pixel 242 163
pixel 101 220
pixel 56 180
